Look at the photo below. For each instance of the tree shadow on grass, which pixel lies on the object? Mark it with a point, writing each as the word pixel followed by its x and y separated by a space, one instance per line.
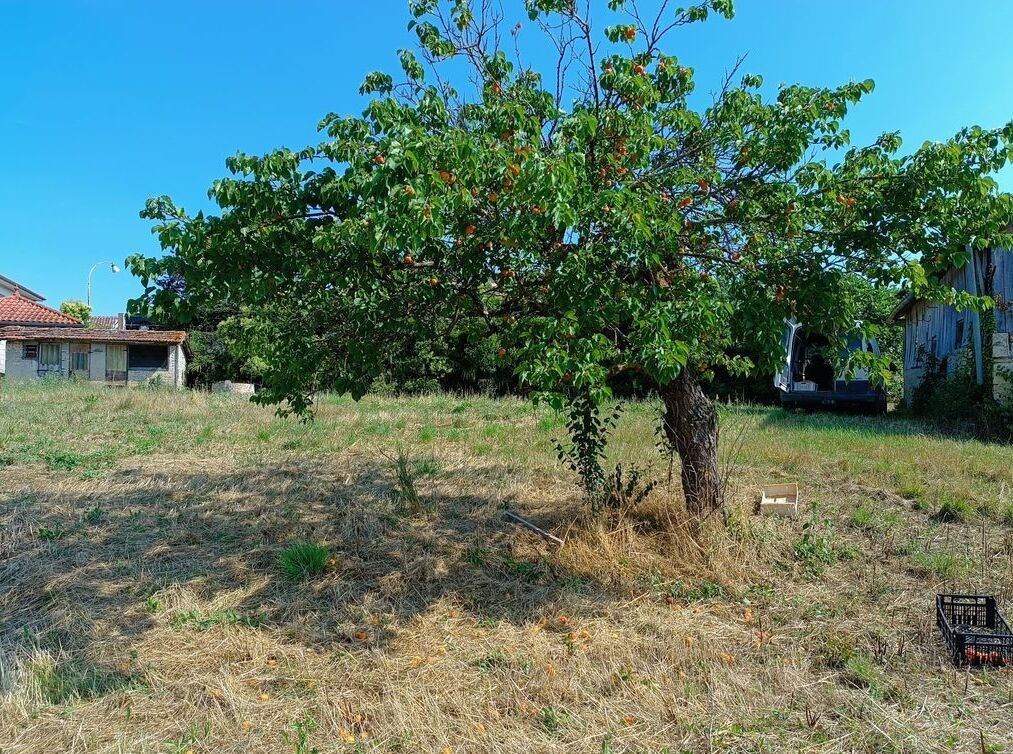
pixel 99 563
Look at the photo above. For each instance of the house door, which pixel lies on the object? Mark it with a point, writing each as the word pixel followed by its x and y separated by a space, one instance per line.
pixel 116 365
pixel 80 361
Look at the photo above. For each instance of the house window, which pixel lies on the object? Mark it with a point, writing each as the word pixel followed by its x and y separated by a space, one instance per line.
pixel 30 351
pixel 149 357
pixel 49 356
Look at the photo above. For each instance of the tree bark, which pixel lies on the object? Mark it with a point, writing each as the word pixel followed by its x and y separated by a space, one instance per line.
pixel 691 428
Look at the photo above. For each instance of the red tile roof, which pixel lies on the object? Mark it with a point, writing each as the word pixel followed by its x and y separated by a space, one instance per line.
pixel 17 310
pixel 168 337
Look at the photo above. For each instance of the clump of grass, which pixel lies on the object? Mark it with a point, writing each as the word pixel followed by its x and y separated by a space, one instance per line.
pixel 864 517
pixel 201 621
pixel 1006 515
pixel 48 535
pixel 838 651
pixel 954 509
pixel 860 671
pixel 942 565
pixel 302 561
pixel 60 683
pixel 427 467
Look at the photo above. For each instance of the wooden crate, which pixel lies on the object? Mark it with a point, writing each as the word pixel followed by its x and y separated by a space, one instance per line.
pixel 779 500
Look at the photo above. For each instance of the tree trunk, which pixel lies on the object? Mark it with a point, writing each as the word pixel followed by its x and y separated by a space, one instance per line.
pixel 691 428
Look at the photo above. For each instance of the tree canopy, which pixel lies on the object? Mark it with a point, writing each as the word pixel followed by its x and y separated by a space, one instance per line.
pixel 78 310
pixel 592 215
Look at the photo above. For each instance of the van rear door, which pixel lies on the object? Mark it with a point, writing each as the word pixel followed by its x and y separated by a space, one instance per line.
pixel 782 379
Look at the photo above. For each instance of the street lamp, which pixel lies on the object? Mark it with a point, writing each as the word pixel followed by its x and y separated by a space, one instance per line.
pixel 112 266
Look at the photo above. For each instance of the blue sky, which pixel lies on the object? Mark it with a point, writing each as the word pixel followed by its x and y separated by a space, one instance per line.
pixel 103 103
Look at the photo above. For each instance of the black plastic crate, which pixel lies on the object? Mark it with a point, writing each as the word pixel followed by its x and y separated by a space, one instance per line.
pixel 974 629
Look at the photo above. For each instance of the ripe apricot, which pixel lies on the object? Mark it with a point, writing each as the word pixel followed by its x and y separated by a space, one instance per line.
pixel 379 159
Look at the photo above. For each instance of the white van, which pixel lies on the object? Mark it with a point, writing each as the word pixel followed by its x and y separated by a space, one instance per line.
pixel 808 380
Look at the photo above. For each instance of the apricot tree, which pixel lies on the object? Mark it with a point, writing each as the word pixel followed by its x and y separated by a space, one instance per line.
pixel 597 215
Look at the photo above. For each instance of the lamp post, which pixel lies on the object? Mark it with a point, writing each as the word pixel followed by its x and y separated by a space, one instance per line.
pixel 112 266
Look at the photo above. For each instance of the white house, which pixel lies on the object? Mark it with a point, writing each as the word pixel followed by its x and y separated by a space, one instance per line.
pixel 10 287
pixel 114 357
pixel 37 341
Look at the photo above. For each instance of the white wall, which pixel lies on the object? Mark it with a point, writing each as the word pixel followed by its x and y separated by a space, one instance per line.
pixel 19 368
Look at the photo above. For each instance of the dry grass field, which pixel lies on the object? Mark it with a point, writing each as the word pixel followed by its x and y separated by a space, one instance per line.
pixel 144 607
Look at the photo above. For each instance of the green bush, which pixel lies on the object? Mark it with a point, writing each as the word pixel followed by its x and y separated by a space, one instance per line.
pixel 956 404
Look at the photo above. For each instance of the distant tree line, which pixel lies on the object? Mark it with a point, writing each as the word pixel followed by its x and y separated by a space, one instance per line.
pixel 227 343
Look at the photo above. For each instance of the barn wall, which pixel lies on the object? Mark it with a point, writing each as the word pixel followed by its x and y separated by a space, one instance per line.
pixel 945 332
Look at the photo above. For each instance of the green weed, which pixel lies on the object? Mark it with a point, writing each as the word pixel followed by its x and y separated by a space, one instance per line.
pixel 554 719
pixel 490 662
pixel 64 461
